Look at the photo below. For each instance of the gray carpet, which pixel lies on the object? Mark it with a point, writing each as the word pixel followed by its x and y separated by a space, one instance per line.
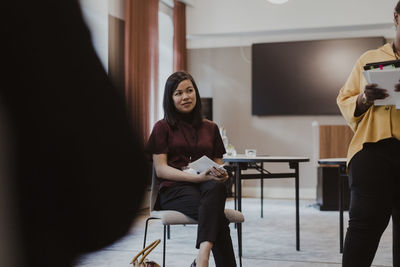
pixel 268 241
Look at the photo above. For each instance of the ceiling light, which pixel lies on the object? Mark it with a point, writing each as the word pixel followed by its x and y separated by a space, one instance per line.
pixel 277 1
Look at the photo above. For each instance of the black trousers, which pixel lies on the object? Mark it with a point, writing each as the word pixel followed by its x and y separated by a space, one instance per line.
pixel 374 178
pixel 204 202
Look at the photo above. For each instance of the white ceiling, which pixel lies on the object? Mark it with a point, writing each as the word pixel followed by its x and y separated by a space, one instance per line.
pixel 213 23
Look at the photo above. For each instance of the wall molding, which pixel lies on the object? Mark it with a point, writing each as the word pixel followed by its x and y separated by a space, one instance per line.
pixel 284 35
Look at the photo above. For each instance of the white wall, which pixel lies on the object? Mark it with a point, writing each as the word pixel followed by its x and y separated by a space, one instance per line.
pixel 95 13
pixel 213 23
pixel 220 33
pixel 225 75
pixel 116 8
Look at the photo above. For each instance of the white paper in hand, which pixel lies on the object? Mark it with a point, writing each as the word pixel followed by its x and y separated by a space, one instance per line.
pixel 385 79
pixel 204 164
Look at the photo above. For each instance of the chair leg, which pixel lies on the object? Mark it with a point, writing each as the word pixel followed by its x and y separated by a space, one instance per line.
pixel 239 232
pixel 165 230
pixel 145 232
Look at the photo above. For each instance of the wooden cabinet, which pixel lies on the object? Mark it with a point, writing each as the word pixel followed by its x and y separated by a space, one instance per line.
pixel 334 141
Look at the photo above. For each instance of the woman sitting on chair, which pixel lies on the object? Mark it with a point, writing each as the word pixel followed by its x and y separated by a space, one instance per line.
pixel 181 137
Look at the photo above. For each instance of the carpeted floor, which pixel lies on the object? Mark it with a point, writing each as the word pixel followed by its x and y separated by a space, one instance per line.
pixel 268 241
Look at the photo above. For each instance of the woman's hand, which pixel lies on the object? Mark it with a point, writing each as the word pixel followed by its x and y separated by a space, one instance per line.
pixel 397 87
pixel 219 174
pixel 367 98
pixel 372 92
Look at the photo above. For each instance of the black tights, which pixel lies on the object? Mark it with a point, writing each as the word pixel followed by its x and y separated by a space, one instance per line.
pixel 374 177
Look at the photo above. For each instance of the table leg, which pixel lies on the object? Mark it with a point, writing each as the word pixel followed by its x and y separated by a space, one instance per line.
pixel 295 166
pixel 262 190
pixel 262 197
pixel 297 210
pixel 235 191
pixel 342 172
pixel 238 186
pixel 341 214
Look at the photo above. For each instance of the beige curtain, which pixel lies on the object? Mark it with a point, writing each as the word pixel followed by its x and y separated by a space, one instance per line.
pixel 141 61
pixel 180 55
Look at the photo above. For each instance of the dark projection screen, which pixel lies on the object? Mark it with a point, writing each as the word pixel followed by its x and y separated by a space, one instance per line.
pixel 303 78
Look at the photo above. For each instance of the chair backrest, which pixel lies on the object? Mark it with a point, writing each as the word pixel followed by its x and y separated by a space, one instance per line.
pixel 154 189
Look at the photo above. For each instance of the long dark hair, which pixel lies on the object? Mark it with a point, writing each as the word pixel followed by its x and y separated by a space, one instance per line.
pixel 170 112
pixel 397 8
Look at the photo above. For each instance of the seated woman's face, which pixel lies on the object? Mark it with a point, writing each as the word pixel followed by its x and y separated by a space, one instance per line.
pixel 184 97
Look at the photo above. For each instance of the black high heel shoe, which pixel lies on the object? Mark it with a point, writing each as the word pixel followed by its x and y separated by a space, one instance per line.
pixel 193 264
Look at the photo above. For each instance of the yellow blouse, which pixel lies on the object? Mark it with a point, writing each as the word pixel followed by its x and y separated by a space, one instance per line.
pixel 378 122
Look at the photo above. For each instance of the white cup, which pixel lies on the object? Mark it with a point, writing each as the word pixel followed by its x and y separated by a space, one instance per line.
pixel 250 152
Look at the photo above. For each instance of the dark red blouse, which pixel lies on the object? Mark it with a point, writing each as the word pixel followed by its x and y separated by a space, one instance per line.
pixel 184 143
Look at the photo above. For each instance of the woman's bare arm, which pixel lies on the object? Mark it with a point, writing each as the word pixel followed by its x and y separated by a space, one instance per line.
pixel 165 171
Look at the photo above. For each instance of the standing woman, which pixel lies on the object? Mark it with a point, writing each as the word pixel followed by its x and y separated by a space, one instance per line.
pixel 373 159
pixel 181 137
